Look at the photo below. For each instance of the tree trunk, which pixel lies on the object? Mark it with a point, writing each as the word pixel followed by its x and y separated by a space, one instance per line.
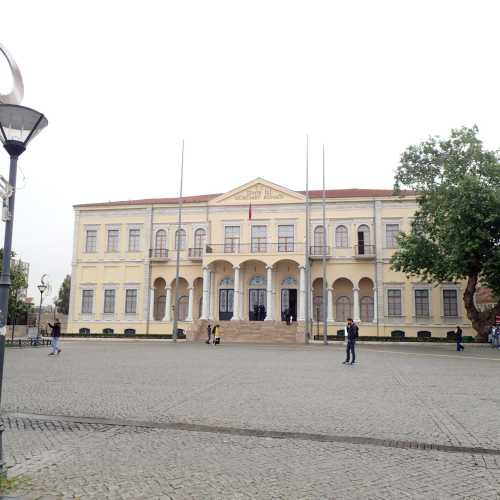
pixel 481 320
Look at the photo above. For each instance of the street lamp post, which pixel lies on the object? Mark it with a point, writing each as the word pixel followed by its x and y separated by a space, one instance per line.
pixel 41 288
pixel 18 126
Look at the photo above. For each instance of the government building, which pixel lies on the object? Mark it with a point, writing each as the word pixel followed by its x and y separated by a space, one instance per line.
pixel 242 265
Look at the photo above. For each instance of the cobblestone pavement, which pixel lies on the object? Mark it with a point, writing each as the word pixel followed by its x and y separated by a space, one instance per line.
pixel 194 421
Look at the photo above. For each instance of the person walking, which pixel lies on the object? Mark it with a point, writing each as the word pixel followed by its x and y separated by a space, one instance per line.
pixel 209 333
pixel 458 334
pixel 216 334
pixel 352 335
pixel 56 336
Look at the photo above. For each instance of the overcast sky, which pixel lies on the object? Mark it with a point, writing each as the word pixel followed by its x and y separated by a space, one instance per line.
pixel 122 82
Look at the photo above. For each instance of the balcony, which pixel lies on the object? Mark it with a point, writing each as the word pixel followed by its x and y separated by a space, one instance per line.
pixel 362 251
pixel 195 253
pixel 158 254
pixel 317 252
pixel 255 248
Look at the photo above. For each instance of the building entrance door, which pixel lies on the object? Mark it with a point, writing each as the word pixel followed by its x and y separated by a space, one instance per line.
pixel 289 301
pixel 257 304
pixel 226 301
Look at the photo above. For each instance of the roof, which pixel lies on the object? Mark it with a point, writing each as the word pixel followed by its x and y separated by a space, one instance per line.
pixel 204 198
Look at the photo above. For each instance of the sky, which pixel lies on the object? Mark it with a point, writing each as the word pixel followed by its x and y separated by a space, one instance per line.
pixel 123 82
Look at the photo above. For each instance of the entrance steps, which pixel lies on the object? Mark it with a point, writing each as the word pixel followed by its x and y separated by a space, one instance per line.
pixel 259 332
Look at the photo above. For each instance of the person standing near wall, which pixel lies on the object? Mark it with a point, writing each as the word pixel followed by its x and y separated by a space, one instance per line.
pixel 352 335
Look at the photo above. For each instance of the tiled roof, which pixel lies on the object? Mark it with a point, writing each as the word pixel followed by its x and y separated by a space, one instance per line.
pixel 330 193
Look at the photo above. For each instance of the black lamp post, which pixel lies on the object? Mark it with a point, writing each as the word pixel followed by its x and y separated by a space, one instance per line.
pixel 41 288
pixel 18 126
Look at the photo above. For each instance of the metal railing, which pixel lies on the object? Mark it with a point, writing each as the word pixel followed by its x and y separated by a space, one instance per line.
pixel 254 248
pixel 362 250
pixel 195 253
pixel 319 251
pixel 158 253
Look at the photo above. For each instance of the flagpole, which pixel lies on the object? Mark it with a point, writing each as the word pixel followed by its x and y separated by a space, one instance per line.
pixel 325 247
pixel 307 264
pixel 178 256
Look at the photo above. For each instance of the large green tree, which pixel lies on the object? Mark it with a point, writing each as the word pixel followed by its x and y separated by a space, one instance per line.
pixel 62 301
pixel 455 234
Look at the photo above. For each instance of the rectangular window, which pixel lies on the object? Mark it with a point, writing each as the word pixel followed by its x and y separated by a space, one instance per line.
pixel 113 240
pixel 259 238
pixel 232 239
pixel 450 304
pixel 134 240
pixel 91 240
pixel 391 232
pixel 394 306
pixel 109 301
pixel 130 301
pixel 422 303
pixel 285 238
pixel 87 301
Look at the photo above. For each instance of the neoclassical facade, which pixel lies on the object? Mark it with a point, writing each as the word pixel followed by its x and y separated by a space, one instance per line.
pixel 242 260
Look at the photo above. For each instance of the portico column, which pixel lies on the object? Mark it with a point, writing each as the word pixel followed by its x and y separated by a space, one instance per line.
pixel 269 294
pixel 236 295
pixel 190 304
pixel 152 304
pixel 330 306
pixel 355 294
pixel 206 291
pixel 375 305
pixel 211 300
pixel 168 305
pixel 302 291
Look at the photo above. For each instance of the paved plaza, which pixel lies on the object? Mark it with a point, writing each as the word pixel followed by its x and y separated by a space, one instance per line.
pixel 154 420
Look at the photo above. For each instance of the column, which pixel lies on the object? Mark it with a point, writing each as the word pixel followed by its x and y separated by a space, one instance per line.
pixel 330 306
pixel 269 294
pixel 151 304
pixel 375 305
pixel 190 304
pixel 302 292
pixel 206 288
pixel 236 300
pixel 211 300
pixel 168 305
pixel 355 295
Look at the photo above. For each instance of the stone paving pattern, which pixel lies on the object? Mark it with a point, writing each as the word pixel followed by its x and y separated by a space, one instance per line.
pixel 417 393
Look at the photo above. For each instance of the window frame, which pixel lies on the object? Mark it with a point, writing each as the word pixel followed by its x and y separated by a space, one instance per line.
pixel 106 307
pixel 127 290
pixel 392 242
pixel 85 291
pixel 337 236
pixel 108 248
pixel 390 314
pixel 87 231
pixel 137 239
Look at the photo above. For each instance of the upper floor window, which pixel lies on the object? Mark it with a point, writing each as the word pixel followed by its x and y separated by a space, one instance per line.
pixel 134 240
pixel 91 240
pixel 394 302
pixel 391 233
pixel 200 237
pixel 363 246
pixel 131 301
pixel 319 236
pixel 180 239
pixel 422 309
pixel 450 303
pixel 341 237
pixel 286 238
pixel 87 301
pixel 113 240
pixel 259 238
pixel 231 239
pixel 161 239
pixel 109 301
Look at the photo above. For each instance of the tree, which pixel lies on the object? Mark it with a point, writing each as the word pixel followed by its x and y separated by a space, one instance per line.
pixel 455 234
pixel 62 301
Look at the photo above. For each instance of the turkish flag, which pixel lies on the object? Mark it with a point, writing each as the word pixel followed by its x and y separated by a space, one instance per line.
pixel 250 211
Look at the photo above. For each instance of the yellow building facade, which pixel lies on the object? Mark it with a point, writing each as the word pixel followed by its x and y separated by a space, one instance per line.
pixel 242 265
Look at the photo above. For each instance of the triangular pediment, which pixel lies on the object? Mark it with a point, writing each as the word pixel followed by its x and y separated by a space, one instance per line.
pixel 258 191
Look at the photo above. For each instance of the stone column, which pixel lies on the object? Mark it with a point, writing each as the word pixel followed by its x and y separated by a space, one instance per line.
pixel 269 295
pixel 375 305
pixel 211 299
pixel 206 291
pixel 168 305
pixel 151 304
pixel 355 298
pixel 190 304
pixel 302 293
pixel 330 306
pixel 236 299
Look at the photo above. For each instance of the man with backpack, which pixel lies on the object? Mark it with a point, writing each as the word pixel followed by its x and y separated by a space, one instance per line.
pixel 352 335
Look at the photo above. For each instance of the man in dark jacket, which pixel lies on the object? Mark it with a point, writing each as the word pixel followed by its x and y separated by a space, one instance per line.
pixel 458 334
pixel 352 335
pixel 56 335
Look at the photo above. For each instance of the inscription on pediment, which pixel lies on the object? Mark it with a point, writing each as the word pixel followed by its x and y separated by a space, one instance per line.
pixel 259 193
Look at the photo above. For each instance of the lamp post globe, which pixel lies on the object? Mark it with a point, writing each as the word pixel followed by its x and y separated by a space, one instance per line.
pixel 19 125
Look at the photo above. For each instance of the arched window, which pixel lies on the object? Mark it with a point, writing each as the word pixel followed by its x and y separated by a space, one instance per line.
pixel 108 331
pixel 318 308
pixel 200 237
pixel 341 237
pixel 364 234
pixel 343 309
pixel 180 239
pixel 258 282
pixel 183 307
pixel 319 241
pixel 161 239
pixel 159 310
pixel 367 309
pixel 226 283
pixel 129 331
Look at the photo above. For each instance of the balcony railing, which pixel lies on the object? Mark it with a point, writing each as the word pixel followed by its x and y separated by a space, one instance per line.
pixel 195 253
pixel 233 247
pixel 158 254
pixel 319 251
pixel 363 251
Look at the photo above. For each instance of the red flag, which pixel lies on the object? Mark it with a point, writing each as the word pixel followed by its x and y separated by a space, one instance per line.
pixel 250 211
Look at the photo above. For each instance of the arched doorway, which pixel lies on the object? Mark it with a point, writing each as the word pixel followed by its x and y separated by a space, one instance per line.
pixel 226 299
pixel 159 299
pixel 289 298
pixel 257 298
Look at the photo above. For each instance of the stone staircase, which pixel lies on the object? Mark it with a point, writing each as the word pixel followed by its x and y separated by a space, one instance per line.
pixel 259 332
